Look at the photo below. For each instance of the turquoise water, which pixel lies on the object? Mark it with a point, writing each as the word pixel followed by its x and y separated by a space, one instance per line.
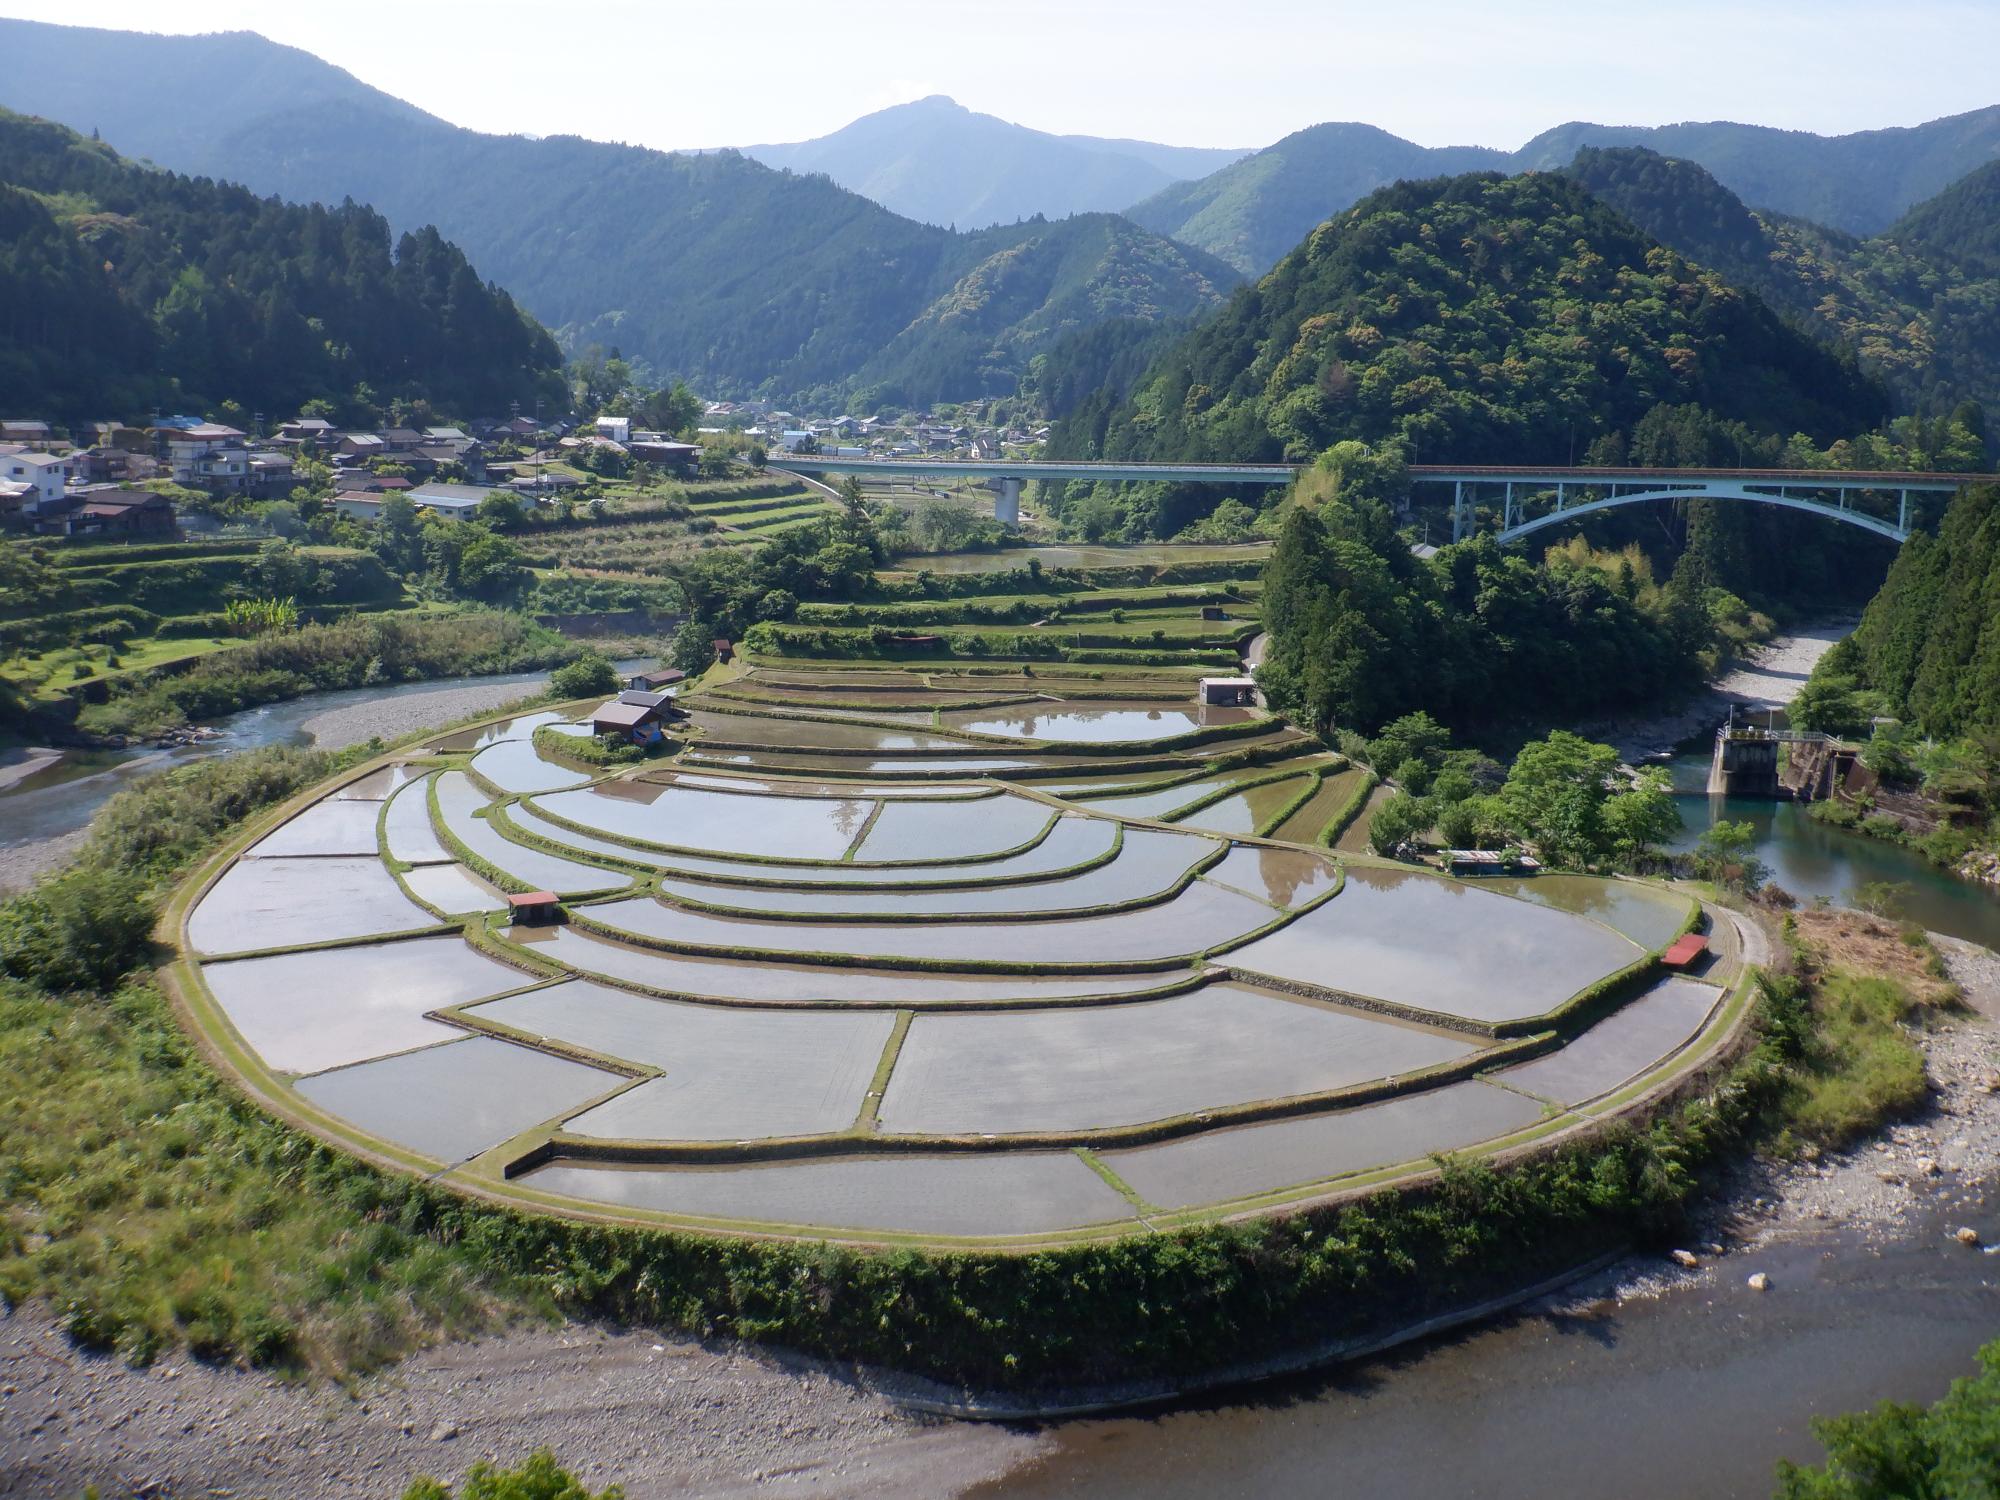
pixel 1810 858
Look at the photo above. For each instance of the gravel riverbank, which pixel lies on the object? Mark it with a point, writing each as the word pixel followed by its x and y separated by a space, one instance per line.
pixel 1770 676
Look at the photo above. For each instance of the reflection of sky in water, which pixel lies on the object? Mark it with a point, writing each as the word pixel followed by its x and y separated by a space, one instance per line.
pixel 1440 945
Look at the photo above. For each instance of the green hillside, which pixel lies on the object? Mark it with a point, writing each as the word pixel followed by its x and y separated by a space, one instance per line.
pixel 123 287
pixel 713 267
pixel 1929 641
pixel 1473 319
pixel 1919 303
pixel 1251 211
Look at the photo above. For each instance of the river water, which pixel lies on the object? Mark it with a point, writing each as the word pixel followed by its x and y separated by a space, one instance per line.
pixel 63 797
pixel 1697 1392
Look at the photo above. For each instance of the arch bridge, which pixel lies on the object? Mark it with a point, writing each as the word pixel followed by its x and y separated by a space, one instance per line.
pixel 1578 491
pixel 1581 491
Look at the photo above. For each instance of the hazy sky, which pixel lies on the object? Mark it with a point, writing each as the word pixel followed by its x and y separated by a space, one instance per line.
pixel 674 73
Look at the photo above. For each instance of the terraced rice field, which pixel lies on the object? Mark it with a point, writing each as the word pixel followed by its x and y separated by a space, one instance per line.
pixel 814 976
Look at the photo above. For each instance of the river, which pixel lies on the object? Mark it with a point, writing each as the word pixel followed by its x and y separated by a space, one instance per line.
pixel 1693 1392
pixel 43 813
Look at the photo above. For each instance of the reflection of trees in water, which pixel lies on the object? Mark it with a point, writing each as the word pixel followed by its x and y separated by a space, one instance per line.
pixel 848 815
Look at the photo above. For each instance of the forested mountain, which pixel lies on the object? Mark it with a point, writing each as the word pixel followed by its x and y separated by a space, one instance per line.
pixel 123 287
pixel 1929 641
pixel 1474 319
pixel 1960 227
pixel 940 163
pixel 1920 303
pixel 711 267
pixel 1253 210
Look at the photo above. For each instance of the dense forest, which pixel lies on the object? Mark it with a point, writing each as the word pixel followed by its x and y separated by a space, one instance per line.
pixel 1927 649
pixel 1363 631
pixel 123 289
pixel 1471 319
pixel 1919 303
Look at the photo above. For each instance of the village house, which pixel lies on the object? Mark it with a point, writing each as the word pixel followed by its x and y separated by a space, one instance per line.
pixel 26 431
pixel 112 511
pixel 313 432
pixel 614 429
pixel 45 475
pixel 206 455
pixel 453 501
pixel 637 717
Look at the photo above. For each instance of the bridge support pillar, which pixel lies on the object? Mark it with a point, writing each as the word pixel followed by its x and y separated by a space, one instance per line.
pixel 1458 510
pixel 1006 501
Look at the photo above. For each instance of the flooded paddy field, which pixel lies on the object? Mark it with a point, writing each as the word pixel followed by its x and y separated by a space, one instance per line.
pixel 1439 945
pixel 1148 863
pixel 1106 724
pixel 808 966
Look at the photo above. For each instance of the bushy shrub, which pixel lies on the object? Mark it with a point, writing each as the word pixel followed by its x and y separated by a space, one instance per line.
pixel 589 674
pixel 80 930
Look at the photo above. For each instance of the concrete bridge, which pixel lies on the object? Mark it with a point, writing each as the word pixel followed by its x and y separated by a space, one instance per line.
pixel 1525 493
pixel 1006 476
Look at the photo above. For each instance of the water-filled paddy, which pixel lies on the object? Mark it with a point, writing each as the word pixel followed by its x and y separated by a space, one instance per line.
pixel 1149 863
pixel 917 832
pixel 407 826
pixel 1082 1069
pixel 283 903
pixel 763 981
pixel 1283 877
pixel 516 766
pixel 1249 1159
pixel 1245 812
pixel 458 799
pixel 990 1193
pixel 1439 945
pixel 335 826
pixel 809 734
pixel 728 1072
pixel 520 728
pixel 1112 724
pixel 1201 917
pixel 1649 916
pixel 685 817
pixel 1161 801
pixel 452 888
pixel 1642 1031
pixel 378 784
pixel 456 1100
pixel 302 1012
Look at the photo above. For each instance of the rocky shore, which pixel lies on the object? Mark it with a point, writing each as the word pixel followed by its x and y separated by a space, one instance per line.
pixel 1770 676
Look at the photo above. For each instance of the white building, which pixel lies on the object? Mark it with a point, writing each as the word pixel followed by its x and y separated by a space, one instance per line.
pixel 208 456
pixel 453 501
pixel 45 475
pixel 615 429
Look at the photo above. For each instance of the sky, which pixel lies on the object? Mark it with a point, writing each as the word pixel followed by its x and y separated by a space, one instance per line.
pixel 695 73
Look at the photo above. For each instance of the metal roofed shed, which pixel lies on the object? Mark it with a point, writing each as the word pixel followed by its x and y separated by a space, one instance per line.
pixel 639 723
pixel 657 680
pixel 1228 692
pixel 534 908
pixel 1685 952
pixel 1491 862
